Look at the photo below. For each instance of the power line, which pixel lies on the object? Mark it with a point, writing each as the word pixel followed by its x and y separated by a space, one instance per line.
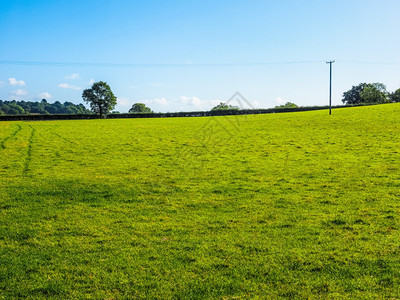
pixel 180 65
pixel 363 62
pixel 148 65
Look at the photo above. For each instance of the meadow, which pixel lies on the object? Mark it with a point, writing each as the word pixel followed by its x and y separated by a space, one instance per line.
pixel 291 205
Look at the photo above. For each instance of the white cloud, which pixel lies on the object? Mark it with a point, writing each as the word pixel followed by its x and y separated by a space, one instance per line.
pixel 69 86
pixel 193 101
pixel 14 82
pixel 280 101
pixel 124 102
pixel 44 95
pixel 161 101
pixel 19 93
pixel 72 76
pixel 196 103
pixel 91 81
pixel 1 84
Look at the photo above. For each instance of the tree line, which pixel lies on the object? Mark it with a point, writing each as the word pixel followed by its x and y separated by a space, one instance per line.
pixel 43 107
pixel 102 101
pixel 369 93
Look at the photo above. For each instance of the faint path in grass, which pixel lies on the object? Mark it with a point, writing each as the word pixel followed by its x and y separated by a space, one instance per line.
pixel 63 138
pixel 3 142
pixel 29 152
pixel 216 130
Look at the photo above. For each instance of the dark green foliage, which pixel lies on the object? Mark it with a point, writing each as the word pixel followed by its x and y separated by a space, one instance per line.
pixel 353 96
pixel 140 108
pixel 287 105
pixel 365 93
pixel 100 97
pixel 374 93
pixel 44 108
pixel 224 106
pixel 395 96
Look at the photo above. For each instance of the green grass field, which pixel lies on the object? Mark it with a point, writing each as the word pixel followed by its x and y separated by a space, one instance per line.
pixel 291 205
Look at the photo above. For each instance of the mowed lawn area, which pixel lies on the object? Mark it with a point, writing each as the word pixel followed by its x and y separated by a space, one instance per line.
pixel 289 205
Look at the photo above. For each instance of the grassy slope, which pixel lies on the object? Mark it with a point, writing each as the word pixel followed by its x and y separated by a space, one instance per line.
pixel 297 204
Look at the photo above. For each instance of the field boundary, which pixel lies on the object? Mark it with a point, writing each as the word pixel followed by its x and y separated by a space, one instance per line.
pixel 175 114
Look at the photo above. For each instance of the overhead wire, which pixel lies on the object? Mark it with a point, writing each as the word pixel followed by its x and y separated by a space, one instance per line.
pixel 182 65
pixel 148 65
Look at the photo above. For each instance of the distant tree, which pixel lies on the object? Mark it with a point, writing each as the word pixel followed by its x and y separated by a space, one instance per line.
pixel 395 96
pixel 224 106
pixel 140 108
pixel 43 107
pixel 365 93
pixel 287 105
pixel 353 96
pixel 66 103
pixel 374 93
pixel 13 109
pixel 83 109
pixel 57 108
pixel 100 97
pixel 72 109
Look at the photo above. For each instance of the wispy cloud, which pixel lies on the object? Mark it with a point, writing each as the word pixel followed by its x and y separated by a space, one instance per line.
pixel 19 93
pixel 197 103
pixel 72 76
pixel 14 82
pixel 125 102
pixel 192 101
pixel 69 86
pixel 91 81
pixel 44 95
pixel 1 83
pixel 280 101
pixel 161 101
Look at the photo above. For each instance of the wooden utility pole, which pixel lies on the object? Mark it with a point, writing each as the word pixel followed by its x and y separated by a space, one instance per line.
pixel 330 85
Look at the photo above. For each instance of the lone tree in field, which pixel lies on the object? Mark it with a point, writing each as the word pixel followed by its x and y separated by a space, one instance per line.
pixel 366 93
pixel 100 97
pixel 224 106
pixel 140 108
pixel 287 105
pixel 353 96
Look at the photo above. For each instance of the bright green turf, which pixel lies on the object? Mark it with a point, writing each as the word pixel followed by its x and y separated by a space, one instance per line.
pixel 261 206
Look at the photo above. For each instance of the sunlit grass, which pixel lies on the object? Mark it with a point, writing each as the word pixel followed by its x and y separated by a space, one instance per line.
pixel 280 205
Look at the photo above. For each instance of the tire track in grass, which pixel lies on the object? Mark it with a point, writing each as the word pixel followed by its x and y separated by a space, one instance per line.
pixel 29 152
pixel 63 138
pixel 3 142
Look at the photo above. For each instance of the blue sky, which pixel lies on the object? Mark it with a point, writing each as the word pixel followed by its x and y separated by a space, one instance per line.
pixel 190 55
